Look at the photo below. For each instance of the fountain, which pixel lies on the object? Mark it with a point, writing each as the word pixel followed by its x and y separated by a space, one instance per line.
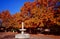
pixel 22 35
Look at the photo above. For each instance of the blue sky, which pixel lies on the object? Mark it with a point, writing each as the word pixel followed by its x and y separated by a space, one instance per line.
pixel 12 5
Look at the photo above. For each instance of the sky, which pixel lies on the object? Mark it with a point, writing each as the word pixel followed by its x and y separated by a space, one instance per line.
pixel 12 5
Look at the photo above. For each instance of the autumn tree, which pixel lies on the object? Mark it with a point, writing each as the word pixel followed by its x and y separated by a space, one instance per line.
pixel 57 15
pixel 5 16
pixel 39 13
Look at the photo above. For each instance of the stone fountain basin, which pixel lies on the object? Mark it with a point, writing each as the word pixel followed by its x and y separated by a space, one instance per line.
pixel 22 36
pixel 22 29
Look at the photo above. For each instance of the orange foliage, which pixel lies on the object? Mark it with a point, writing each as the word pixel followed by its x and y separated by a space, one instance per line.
pixel 33 14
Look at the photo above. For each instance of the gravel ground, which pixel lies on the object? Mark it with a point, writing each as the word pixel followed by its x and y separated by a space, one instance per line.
pixel 11 35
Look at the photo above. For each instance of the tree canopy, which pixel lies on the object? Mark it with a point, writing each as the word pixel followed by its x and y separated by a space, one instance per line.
pixel 40 13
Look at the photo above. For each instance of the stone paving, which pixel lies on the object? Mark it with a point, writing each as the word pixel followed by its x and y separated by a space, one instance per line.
pixel 11 35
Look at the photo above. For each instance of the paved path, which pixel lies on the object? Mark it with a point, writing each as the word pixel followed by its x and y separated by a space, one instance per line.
pixel 11 35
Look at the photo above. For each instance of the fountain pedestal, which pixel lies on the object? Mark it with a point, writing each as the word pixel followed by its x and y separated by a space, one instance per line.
pixel 22 35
